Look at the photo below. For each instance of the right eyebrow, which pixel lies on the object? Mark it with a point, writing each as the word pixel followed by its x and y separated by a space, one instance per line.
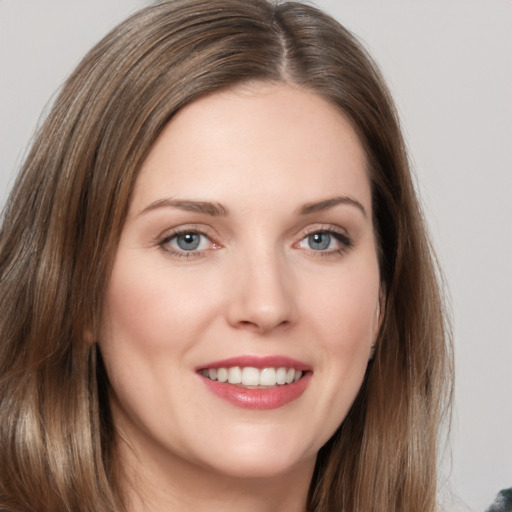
pixel 326 204
pixel 210 208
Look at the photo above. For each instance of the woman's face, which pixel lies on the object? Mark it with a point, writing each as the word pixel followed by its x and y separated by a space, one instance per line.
pixel 248 254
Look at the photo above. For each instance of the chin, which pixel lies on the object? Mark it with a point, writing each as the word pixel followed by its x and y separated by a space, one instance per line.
pixel 263 467
pixel 265 458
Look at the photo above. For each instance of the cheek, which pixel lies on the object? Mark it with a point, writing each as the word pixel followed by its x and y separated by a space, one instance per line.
pixel 152 309
pixel 340 311
pixel 151 321
pixel 346 312
pixel 344 322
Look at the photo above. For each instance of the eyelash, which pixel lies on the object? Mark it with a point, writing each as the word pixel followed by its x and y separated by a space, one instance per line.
pixel 342 238
pixel 164 243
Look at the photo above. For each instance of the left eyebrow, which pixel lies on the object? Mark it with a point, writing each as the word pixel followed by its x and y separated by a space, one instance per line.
pixel 326 204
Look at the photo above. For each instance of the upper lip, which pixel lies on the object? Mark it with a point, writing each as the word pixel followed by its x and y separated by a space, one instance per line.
pixel 277 361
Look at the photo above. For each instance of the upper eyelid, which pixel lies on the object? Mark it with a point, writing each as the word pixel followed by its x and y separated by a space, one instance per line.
pixel 176 234
pixel 341 234
pixel 322 227
pixel 200 229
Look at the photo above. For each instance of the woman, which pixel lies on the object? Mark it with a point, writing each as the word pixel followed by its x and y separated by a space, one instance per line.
pixel 217 289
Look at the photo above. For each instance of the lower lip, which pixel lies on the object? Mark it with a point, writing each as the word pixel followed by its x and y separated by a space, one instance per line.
pixel 262 399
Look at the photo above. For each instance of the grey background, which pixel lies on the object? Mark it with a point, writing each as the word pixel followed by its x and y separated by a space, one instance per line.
pixel 449 66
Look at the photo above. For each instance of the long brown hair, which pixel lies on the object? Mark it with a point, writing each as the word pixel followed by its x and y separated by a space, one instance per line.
pixel 65 214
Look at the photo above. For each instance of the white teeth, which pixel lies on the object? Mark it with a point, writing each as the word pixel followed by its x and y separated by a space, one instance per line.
pixel 222 375
pixel 250 376
pixel 235 375
pixel 281 376
pixel 267 377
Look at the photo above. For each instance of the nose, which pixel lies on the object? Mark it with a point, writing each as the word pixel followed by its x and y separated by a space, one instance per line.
pixel 262 296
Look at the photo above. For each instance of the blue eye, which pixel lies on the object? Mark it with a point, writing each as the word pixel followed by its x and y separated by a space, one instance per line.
pixel 188 241
pixel 325 242
pixel 319 241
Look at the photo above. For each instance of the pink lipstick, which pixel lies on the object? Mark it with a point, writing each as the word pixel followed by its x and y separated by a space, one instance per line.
pixel 254 382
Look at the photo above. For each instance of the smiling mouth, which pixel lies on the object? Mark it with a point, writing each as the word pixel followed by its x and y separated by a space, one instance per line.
pixel 253 378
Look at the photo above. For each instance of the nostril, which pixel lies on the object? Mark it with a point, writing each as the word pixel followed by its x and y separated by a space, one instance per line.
pixel 262 326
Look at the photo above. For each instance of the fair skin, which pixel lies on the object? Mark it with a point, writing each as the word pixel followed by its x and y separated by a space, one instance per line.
pixel 249 236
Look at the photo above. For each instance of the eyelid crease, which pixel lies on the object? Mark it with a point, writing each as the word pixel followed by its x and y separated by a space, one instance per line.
pixel 325 228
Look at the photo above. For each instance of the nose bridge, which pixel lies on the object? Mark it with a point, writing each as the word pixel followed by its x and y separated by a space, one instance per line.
pixel 263 290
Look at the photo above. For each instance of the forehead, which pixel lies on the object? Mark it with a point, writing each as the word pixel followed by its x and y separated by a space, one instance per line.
pixel 271 139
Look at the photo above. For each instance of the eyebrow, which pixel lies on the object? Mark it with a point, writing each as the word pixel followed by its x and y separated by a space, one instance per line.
pixel 210 208
pixel 326 204
pixel 218 210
